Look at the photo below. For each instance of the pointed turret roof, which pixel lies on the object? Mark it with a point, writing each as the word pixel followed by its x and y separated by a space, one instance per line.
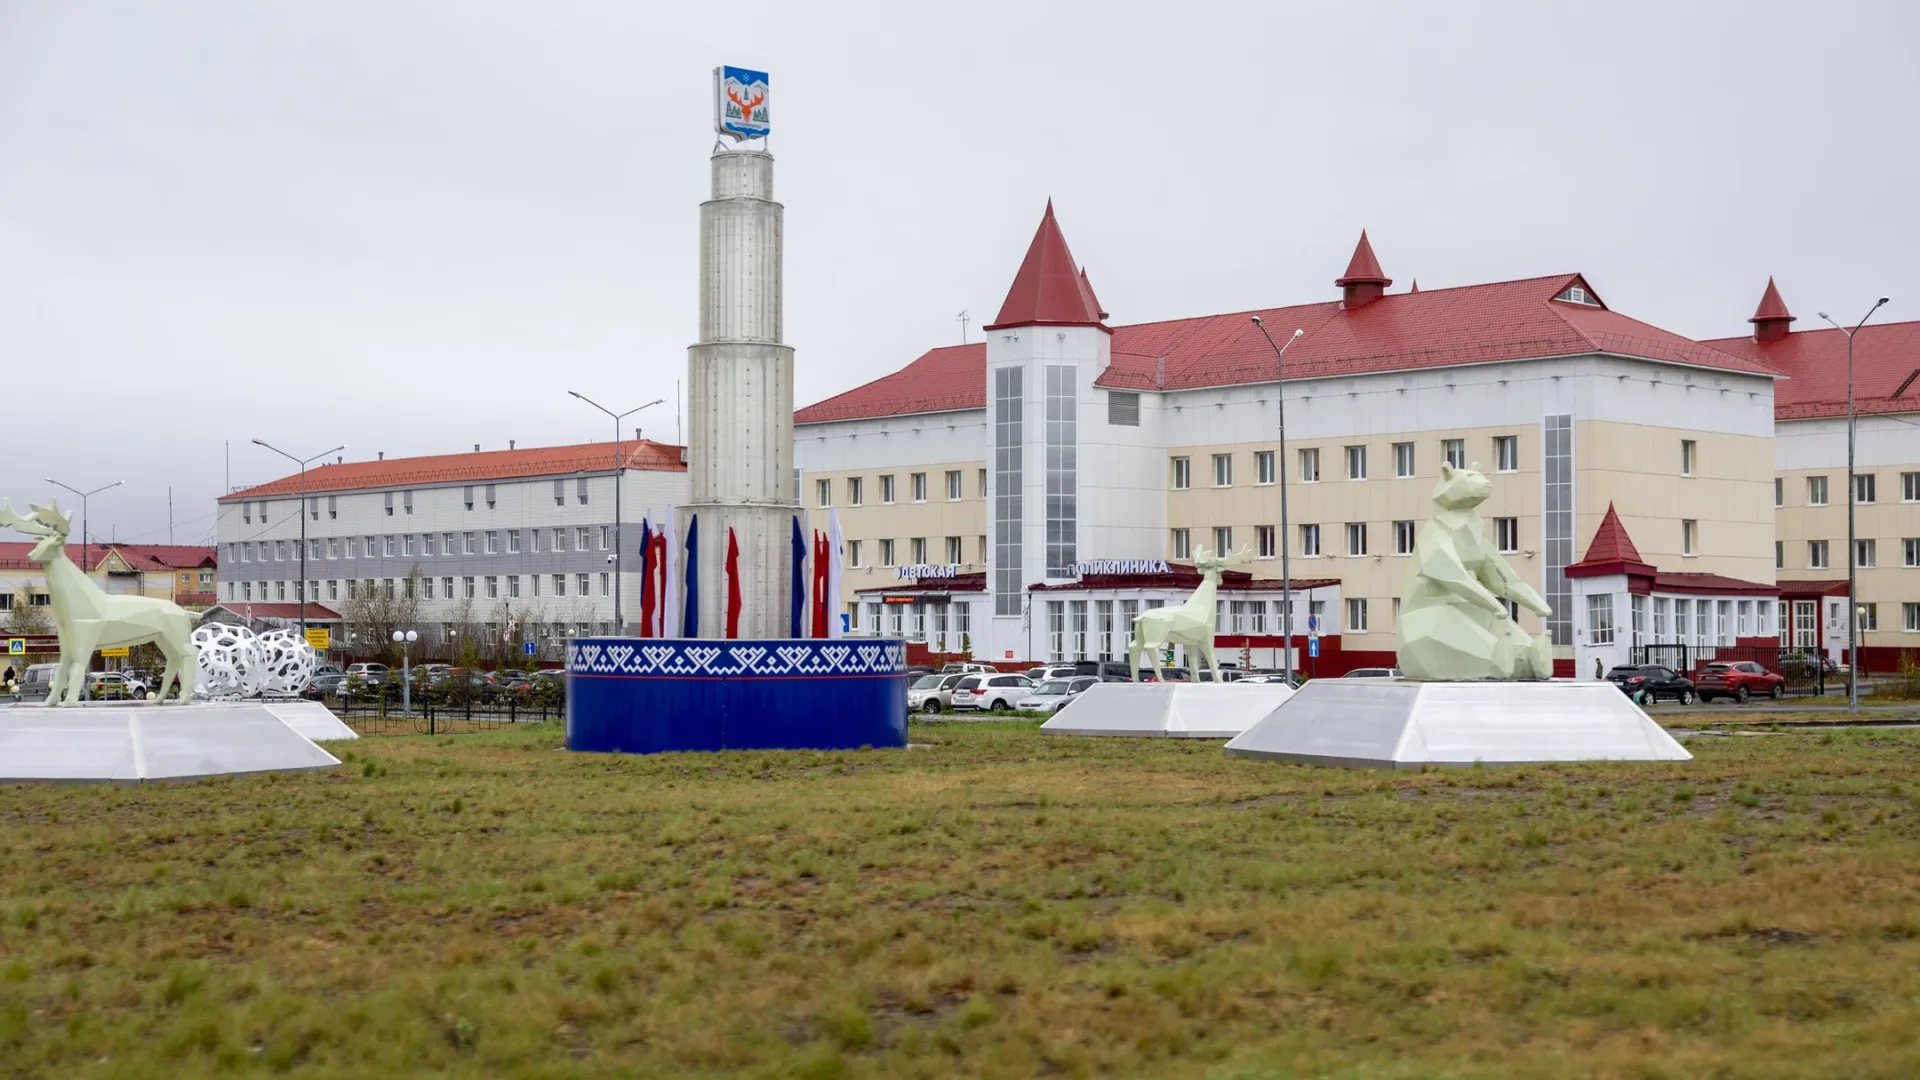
pixel 1416 285
pixel 1364 269
pixel 1612 551
pixel 1049 289
pixel 1091 298
pixel 1771 308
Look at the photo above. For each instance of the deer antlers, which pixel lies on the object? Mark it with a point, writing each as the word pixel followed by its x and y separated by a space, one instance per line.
pixel 43 521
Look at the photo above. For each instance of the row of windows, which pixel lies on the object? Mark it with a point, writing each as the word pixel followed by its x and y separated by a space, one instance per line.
pixel 490 587
pixel 856 489
pixel 1506 539
pixel 937 623
pixel 412 545
pixel 1866 554
pixel 1103 629
pixel 1680 621
pixel 251 509
pixel 916 551
pixel 1865 489
pixel 1506 458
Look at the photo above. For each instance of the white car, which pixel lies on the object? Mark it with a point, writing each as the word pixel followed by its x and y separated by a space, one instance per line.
pixel 1373 673
pixel 1053 695
pixel 993 693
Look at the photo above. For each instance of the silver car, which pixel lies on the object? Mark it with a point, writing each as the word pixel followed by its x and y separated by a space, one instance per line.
pixel 1053 695
pixel 933 693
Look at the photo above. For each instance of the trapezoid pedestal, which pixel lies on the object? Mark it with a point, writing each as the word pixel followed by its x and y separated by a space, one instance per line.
pixel 1172 710
pixel 1403 724
pixel 151 742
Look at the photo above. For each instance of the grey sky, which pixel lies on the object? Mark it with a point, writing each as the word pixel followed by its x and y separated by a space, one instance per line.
pixel 412 226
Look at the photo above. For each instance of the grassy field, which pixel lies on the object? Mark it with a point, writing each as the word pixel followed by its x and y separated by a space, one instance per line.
pixel 990 903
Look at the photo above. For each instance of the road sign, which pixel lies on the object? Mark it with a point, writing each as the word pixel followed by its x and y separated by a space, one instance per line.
pixel 122 651
pixel 17 646
pixel 527 647
pixel 1313 624
pixel 320 638
pixel 1313 646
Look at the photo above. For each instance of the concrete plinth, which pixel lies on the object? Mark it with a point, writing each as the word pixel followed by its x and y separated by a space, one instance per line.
pixel 1403 724
pixel 1172 710
pixel 151 742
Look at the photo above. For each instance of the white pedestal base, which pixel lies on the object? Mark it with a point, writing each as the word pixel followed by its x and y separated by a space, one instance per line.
pixel 1398 723
pixel 151 742
pixel 1174 710
pixel 309 718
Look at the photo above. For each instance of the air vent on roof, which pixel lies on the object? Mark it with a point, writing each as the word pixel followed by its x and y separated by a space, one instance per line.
pixel 1123 408
pixel 1574 294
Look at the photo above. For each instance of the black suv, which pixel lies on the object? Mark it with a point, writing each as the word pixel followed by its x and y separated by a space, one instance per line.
pixel 1649 683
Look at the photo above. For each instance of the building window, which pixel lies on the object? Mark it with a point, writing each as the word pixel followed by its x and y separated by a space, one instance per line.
pixel 606 583
pixel 1223 540
pixel 855 496
pixel 333 507
pixel 559 584
pixel 1182 474
pixel 886 553
pixel 1403 459
pixel 1403 538
pixel 1910 616
pixel 446 587
pixel 493 588
pixel 1816 555
pixel 1869 618
pixel 1454 452
pixel 1123 408
pixel 580 491
pixel 466 588
pixel 246 590
pixel 1506 453
pixel 1743 619
pixel 1310 466
pixel 1222 470
pixel 559 493
pixel 513 541
pixel 886 490
pixel 1056 630
pixel 389 503
pixel 1600 619
pixel 953 485
pixel 1263 540
pixel 513 586
pixel 559 539
pixel 582 539
pixel 1689 536
pixel 1779 491
pixel 823 492
pixel 853 553
pixel 954 554
pixel 1689 451
pixel 333 547
pixel 1356 463
pixel 1910 487
pixel 983 551
pixel 1181 544
pixel 426 543
pixel 1310 541
pixel 1816 491
pixel 917 547
pixel 983 483
pixel 1557 523
pixel 467 543
pixel 333 588
pixel 1863 554
pixel 606 538
pixel 489 497
pixel 533 581
pixel 1506 535
pixel 1063 471
pixel 1078 610
pixel 467 496
pixel 279 590
pixel 390 545
pixel 583 584
pixel 1863 489
pixel 493 542
pixel 1779 554
pixel 426 588
pixel 1637 607
pixel 1662 613
pixel 919 481
pixel 407 543
pixel 1356 616
pixel 1356 538
pixel 1910 551
pixel 1263 467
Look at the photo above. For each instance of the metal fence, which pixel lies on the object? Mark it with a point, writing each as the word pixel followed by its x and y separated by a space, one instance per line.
pixel 371 714
pixel 1804 669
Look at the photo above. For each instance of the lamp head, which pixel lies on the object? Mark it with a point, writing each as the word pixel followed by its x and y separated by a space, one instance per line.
pixel 1256 320
pixel 1299 332
pixel 1824 315
pixel 398 636
pixel 1882 301
pixel 259 442
pixel 576 393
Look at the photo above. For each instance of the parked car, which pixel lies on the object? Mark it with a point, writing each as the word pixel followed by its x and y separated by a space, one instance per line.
pixel 922 696
pixel 1227 674
pixel 115 686
pixel 1648 683
pixel 994 693
pixel 1171 674
pixel 1739 680
pixel 333 684
pixel 1275 677
pixel 368 674
pixel 964 667
pixel 1055 694
pixel 1373 673
pixel 327 669
pixel 37 681
pixel 1806 666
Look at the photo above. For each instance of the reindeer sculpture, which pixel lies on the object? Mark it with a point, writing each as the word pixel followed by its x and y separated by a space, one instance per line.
pixel 1190 624
pixel 88 619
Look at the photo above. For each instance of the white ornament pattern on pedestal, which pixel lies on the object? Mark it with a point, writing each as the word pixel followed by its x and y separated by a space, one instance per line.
pixel 287 662
pixel 228 661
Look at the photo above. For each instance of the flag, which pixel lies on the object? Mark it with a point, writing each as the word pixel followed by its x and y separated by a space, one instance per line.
pixel 796 617
pixel 690 607
pixel 646 578
pixel 733 584
pixel 836 560
pixel 819 628
pixel 660 625
pixel 669 590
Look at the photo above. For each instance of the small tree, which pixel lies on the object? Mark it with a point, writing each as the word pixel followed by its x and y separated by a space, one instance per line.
pixel 966 645
pixel 371 614
pixel 25 618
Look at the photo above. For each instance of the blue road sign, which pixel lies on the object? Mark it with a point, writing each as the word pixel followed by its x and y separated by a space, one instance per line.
pixel 1313 646
pixel 527 647
pixel 1313 624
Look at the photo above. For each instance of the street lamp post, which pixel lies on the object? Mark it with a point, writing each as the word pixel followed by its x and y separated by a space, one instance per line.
pixel 619 461
pixel 301 592
pixel 1853 491
pixel 405 640
pixel 1286 570
pixel 86 556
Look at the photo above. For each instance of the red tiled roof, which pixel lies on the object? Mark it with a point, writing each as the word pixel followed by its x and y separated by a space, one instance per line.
pixel 148 557
pixel 1092 300
pixel 315 612
pixel 1611 548
pixel 957 583
pixel 1048 289
pixel 1710 583
pixel 1815 363
pixel 1771 308
pixel 641 454
pixel 1505 320
pixel 1806 587
pixel 1363 269
pixel 1182 577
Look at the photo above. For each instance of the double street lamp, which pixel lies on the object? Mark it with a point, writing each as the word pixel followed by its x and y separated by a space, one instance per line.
pixel 1853 492
pixel 1286 571
pixel 85 555
pixel 301 591
pixel 619 464
pixel 405 639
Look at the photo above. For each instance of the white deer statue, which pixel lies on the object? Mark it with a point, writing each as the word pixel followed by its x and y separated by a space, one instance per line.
pixel 89 619
pixel 1190 624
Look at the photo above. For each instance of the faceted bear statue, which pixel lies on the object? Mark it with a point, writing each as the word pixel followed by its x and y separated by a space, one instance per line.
pixel 1452 624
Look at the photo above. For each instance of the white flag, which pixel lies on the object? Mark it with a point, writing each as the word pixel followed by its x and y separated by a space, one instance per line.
pixel 669 605
pixel 836 559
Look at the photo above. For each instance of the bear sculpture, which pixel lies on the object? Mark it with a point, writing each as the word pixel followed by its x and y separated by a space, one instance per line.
pixel 1453 626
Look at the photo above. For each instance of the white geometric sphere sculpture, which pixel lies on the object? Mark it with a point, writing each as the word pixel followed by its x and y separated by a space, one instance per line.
pixel 287 662
pixel 229 661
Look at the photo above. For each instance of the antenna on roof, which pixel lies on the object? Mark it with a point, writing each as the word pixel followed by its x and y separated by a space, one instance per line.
pixel 964 320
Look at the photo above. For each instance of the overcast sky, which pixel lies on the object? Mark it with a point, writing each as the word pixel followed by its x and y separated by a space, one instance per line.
pixel 412 226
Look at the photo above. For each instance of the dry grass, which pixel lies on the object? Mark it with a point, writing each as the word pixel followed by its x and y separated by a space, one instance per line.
pixel 995 903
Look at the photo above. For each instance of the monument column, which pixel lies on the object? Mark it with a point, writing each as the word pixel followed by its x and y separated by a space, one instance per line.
pixel 740 403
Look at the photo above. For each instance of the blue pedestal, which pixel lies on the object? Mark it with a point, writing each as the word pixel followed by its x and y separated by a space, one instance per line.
pixel 646 695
